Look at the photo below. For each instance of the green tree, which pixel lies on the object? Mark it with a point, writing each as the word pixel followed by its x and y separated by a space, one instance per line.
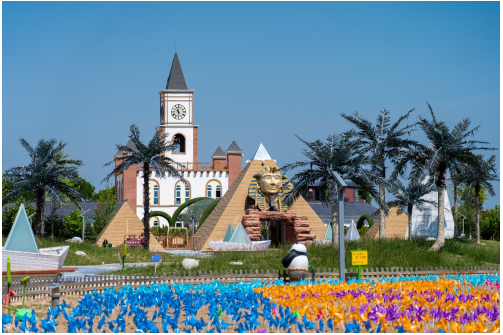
pixel 73 224
pixel 338 153
pixel 382 141
pixel 492 217
pixel 105 208
pixel 45 175
pixel 7 187
pixel 148 157
pixel 446 149
pixel 9 214
pixel 475 176
pixel 108 192
pixel 83 187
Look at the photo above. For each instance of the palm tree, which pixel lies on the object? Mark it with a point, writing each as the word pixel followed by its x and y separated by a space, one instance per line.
pixel 383 141
pixel 337 153
pixel 48 174
pixel 410 196
pixel 474 177
pixel 149 157
pixel 446 150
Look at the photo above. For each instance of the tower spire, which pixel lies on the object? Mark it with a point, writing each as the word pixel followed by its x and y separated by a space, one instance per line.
pixel 176 80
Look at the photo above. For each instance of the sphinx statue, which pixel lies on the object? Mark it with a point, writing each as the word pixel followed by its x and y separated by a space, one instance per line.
pixel 268 188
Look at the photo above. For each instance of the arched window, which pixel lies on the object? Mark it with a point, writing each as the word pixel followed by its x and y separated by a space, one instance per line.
pixel 187 192
pixel 180 140
pixel 178 195
pixel 214 184
pixel 156 195
pixel 154 191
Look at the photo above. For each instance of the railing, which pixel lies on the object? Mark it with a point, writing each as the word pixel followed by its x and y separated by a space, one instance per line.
pixel 177 242
pixel 39 289
pixel 206 166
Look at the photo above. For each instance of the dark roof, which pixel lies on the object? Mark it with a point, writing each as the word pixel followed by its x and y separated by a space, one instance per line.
pixel 119 154
pixel 350 209
pixel 176 80
pixel 219 153
pixel 233 148
pixel 86 206
pixel 131 145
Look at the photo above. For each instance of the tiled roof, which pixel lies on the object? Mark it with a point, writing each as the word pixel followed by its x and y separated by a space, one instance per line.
pixel 219 153
pixel 176 80
pixel 350 209
pixel 233 148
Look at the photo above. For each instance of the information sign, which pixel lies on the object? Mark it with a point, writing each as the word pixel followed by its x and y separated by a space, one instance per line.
pixel 123 249
pixel 156 258
pixel 359 257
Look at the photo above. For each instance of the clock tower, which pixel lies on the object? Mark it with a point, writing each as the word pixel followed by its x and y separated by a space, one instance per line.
pixel 177 115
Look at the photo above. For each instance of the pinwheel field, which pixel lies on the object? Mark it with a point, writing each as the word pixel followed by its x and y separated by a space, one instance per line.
pixel 406 304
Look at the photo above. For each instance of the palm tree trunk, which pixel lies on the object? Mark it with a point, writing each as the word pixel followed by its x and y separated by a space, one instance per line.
pixel 470 218
pixel 40 214
pixel 382 195
pixel 146 205
pixel 477 212
pixel 335 225
pixel 409 212
pixel 439 243
pixel 455 210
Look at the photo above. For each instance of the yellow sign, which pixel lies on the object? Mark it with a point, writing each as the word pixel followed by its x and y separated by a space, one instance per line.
pixel 359 257
pixel 123 249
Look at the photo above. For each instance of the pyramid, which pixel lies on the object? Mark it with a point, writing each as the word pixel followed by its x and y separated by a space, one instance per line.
pixel 21 237
pixel 229 233
pixel 231 207
pixel 125 222
pixel 352 234
pixel 240 235
pixel 328 234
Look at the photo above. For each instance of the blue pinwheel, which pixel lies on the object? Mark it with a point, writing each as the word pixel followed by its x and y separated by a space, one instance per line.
pixel 330 324
pixel 321 326
pixel 6 319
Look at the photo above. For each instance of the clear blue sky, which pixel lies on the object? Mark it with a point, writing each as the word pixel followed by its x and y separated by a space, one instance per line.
pixel 83 72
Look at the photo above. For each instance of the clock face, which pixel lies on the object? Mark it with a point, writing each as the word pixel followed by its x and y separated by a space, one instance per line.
pixel 178 112
pixel 162 112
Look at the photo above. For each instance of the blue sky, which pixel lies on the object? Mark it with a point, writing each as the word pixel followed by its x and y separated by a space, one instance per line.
pixel 83 72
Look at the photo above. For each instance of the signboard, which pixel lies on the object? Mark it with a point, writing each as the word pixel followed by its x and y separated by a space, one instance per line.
pixel 359 257
pixel 156 258
pixel 123 249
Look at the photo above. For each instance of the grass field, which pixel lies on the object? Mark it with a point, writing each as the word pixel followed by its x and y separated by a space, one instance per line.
pixel 387 253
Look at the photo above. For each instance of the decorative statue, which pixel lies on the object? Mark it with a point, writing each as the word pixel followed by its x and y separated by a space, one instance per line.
pixel 269 187
pixel 296 262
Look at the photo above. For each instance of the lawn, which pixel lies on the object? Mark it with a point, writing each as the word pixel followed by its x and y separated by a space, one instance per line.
pixel 382 254
pixel 388 253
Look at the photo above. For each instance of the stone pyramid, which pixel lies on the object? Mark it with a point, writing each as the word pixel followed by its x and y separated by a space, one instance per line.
pixel 328 234
pixel 125 222
pixel 231 207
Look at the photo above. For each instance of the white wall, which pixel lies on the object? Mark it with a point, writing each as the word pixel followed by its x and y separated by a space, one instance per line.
pixel 197 181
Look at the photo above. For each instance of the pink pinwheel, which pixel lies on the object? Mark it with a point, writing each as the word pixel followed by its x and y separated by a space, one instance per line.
pixel 319 315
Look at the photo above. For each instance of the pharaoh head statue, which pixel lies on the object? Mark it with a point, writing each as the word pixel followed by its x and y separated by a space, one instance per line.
pixel 271 182
pixel 268 188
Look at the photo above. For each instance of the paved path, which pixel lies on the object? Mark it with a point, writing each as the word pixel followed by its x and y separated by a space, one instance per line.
pixel 91 270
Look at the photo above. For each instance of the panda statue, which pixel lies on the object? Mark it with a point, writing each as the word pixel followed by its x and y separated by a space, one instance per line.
pixel 296 262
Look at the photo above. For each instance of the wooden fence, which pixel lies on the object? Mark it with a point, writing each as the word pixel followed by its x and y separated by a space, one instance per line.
pixel 39 288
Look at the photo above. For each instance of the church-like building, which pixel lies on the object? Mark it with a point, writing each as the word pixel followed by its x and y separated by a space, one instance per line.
pixel 204 179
